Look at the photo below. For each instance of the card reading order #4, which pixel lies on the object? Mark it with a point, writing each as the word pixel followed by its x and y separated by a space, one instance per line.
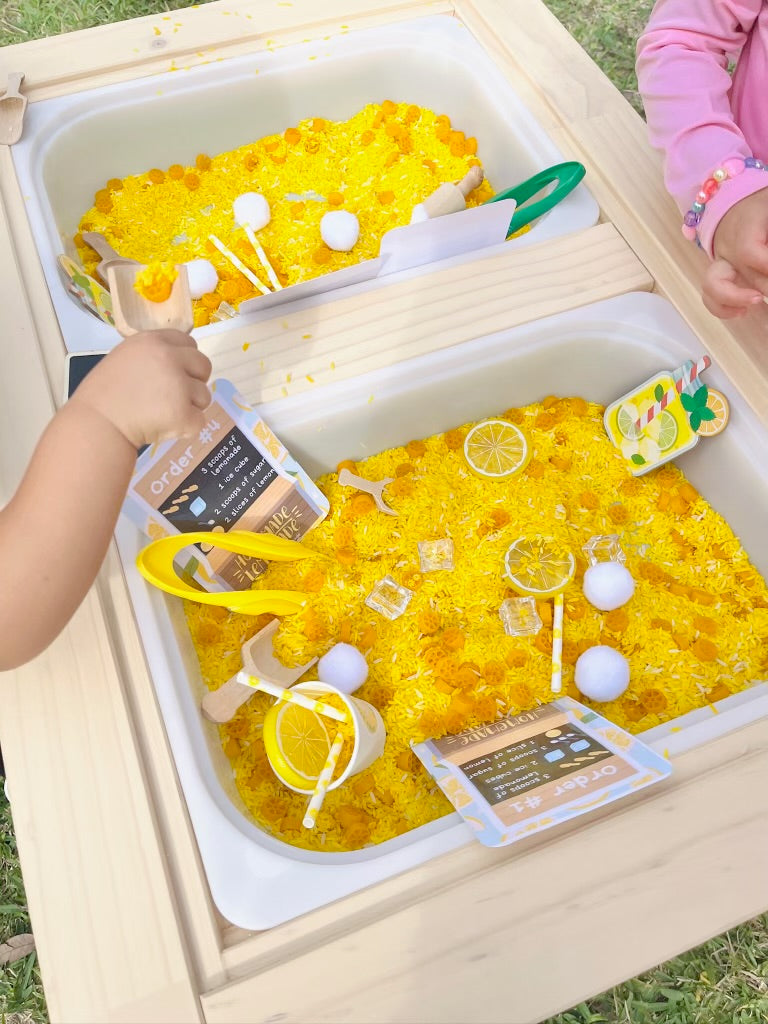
pixel 234 475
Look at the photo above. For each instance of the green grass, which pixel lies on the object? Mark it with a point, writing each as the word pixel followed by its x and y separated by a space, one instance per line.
pixel 21 994
pixel 722 981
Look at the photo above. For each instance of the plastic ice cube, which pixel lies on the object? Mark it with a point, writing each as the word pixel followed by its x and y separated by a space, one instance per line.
pixel 389 598
pixel 520 616
pixel 435 554
pixel 604 548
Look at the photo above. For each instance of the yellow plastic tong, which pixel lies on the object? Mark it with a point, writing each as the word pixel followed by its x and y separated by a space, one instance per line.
pixel 156 564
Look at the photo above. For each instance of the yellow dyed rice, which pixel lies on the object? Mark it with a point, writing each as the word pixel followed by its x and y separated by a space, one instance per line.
pixel 694 632
pixel 378 165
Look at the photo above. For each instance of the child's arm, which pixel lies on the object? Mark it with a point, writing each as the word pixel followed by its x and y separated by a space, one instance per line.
pixel 55 531
pixel 682 70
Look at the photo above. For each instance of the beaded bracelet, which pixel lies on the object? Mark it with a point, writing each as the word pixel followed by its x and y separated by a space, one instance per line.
pixel 729 169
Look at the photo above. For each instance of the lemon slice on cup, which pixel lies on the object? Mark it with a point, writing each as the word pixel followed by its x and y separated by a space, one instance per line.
pixel 539 566
pixel 496 449
pixel 626 420
pixel 718 403
pixel 663 430
pixel 297 744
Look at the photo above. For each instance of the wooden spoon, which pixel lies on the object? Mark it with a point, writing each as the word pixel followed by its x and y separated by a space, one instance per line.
pixel 258 660
pixel 133 313
pixel 12 108
pixel 108 255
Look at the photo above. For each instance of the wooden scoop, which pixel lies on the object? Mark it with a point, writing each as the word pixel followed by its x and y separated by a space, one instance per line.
pixel 450 198
pixel 12 108
pixel 133 313
pixel 258 660
pixel 108 255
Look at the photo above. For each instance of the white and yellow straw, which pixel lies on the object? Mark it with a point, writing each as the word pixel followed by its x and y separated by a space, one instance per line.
pixel 323 782
pixel 259 250
pixel 238 263
pixel 291 696
pixel 557 644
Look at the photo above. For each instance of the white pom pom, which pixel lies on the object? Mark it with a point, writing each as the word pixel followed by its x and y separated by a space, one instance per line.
pixel 340 229
pixel 202 277
pixel 608 585
pixel 602 673
pixel 343 667
pixel 252 209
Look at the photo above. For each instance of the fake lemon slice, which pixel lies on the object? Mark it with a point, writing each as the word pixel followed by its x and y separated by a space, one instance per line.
pixel 297 744
pixel 539 566
pixel 496 449
pixel 663 430
pixel 718 403
pixel 626 419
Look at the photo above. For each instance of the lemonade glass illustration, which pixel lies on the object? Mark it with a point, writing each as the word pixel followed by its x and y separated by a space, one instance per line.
pixel 649 442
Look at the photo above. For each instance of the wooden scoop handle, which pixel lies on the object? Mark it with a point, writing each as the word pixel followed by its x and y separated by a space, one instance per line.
pixel 471 180
pixel 15 78
pixel 100 245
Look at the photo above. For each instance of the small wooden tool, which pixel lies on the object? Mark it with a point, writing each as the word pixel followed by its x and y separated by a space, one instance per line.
pixel 373 487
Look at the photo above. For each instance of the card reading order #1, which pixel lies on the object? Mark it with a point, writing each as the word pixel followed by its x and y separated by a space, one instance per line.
pixel 528 772
pixel 234 475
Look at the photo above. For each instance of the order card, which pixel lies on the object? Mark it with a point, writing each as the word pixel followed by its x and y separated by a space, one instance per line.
pixel 526 773
pixel 234 475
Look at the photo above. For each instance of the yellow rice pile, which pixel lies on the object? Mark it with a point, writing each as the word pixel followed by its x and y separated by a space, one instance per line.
pixel 694 632
pixel 378 165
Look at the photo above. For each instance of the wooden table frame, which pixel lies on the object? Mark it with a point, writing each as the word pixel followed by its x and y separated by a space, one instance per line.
pixel 124 924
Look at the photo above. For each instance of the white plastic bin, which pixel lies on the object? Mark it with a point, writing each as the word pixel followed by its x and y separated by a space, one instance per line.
pixel 598 352
pixel 72 145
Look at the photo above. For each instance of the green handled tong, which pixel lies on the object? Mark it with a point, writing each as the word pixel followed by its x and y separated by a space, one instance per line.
pixel 567 175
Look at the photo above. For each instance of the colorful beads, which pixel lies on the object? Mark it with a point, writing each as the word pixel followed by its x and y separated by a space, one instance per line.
pixel 730 168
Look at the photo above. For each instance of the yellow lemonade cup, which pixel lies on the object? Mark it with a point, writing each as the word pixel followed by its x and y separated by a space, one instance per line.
pixel 364 723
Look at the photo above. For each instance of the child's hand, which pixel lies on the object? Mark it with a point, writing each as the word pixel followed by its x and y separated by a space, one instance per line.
pixel 742 239
pixel 725 294
pixel 151 387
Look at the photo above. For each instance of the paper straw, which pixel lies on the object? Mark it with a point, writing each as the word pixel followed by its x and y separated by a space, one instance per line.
pixel 263 257
pixel 670 395
pixel 557 645
pixel 323 782
pixel 291 696
pixel 228 254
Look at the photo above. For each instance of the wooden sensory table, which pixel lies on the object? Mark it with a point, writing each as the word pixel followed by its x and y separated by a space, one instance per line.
pixel 124 925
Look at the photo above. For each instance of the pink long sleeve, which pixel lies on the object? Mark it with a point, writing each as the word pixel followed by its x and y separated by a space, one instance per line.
pixel 696 115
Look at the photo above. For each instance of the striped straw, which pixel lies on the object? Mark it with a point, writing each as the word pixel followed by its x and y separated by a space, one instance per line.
pixel 291 696
pixel 323 782
pixel 228 254
pixel 259 249
pixel 557 645
pixel 680 384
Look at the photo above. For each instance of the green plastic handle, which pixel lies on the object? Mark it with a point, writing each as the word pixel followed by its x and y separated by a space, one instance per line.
pixel 567 175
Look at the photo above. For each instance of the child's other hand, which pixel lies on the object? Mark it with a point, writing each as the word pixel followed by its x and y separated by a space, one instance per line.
pixel 725 294
pixel 742 239
pixel 151 387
